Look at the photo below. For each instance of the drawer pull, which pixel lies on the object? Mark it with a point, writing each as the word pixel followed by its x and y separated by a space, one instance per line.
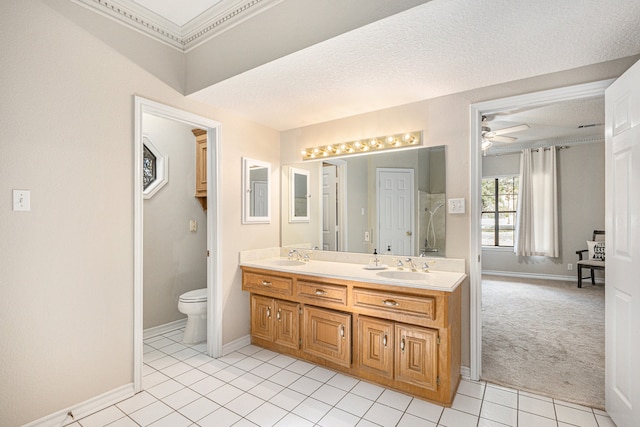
pixel 320 292
pixel 402 345
pixel 268 312
pixel 278 315
pixel 384 340
pixel 342 331
pixel 390 303
pixel 265 283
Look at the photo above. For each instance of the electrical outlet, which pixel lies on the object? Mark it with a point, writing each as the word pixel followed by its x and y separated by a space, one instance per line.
pixel 193 225
pixel 366 236
pixel 569 267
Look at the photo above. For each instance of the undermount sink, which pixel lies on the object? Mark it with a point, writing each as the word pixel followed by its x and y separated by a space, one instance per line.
pixel 403 275
pixel 286 262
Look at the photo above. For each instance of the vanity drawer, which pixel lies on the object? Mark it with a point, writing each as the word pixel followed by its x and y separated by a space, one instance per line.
pixel 374 302
pixel 263 283
pixel 315 292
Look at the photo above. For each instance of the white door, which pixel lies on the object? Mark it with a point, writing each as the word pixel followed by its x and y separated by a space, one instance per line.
pixel 395 211
pixel 622 213
pixel 329 208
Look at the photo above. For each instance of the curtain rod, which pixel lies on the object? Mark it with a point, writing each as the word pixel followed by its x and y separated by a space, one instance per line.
pixel 559 147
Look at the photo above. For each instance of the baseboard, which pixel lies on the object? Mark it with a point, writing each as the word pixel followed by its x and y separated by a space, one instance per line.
pixel 163 329
pixel 236 345
pixel 88 407
pixel 465 371
pixel 538 276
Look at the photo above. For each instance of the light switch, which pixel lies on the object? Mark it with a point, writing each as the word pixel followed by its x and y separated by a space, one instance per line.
pixel 456 206
pixel 21 200
pixel 193 225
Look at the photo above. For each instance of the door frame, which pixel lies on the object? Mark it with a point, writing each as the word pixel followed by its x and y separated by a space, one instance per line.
pixel 535 99
pixel 412 203
pixel 214 236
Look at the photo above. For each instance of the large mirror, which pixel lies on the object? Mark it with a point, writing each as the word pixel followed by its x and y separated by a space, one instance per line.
pixel 393 202
pixel 256 202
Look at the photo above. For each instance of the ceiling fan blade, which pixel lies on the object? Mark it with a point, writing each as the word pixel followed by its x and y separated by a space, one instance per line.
pixel 511 129
pixel 498 138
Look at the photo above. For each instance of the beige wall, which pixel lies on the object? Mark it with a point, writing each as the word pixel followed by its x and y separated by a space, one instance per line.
pixel 445 121
pixel 580 210
pixel 66 270
pixel 175 258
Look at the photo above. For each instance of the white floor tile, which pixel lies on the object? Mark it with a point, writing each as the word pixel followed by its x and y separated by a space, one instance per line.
pixel 244 404
pixel 160 342
pixel 312 410
pixel 300 367
pixel 198 409
pixel 535 396
pixel 162 362
pixel 281 361
pixel 229 373
pixel 153 379
pixel 287 399
pixel 122 422
pixel 338 418
pixel 247 381
pixel 536 406
pixel 305 385
pixel 176 369
pixel 248 363
pixel 367 390
pixel 174 347
pixel 367 423
pixel 224 394
pixel 265 370
pixel 220 418
pixel 320 374
pixel 232 358
pixel 394 400
pixel 266 390
pixel 207 385
pixel 264 355
pixel 423 409
pixel 576 416
pixel 102 418
pixel 165 389
pixel 354 404
pixel 329 394
pixel 181 398
pixel 190 377
pixel 383 415
pixel 250 349
pixel 292 420
pixel 197 360
pixel 454 418
pixel 483 422
pixel 136 402
pixel 571 405
pixel 343 382
pixel 471 388
pixel 212 366
pixel 284 378
pixel 267 415
pixel 409 420
pixel 499 413
pixel 185 354
pixel 467 404
pixel 150 413
pixel 501 397
pixel 245 423
pixel 604 421
pixel 526 419
pixel 174 419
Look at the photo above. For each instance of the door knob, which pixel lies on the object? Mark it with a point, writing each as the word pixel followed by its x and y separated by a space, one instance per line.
pixel 409 233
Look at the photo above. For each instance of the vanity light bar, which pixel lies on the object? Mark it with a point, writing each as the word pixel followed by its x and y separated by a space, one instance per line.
pixel 377 143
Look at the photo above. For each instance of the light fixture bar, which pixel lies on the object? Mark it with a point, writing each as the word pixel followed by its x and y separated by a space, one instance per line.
pixel 378 143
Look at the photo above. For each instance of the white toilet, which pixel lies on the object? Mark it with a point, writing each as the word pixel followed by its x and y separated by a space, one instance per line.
pixel 194 305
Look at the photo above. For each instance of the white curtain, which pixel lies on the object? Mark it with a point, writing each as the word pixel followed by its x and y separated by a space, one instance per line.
pixel 537 217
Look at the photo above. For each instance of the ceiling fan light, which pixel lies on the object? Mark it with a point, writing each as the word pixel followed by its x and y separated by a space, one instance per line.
pixel 486 144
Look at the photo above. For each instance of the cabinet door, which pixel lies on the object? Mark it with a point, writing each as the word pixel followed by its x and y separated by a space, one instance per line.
pixel 261 317
pixel 287 330
pixel 376 346
pixel 327 334
pixel 201 166
pixel 416 356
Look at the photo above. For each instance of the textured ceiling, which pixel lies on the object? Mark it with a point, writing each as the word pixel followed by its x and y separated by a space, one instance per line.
pixel 438 48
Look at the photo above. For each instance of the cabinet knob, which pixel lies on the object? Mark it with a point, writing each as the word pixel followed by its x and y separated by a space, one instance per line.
pixel 265 283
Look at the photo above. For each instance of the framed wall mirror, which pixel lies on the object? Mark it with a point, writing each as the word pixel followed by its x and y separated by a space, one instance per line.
pixel 299 196
pixel 256 200
pixel 348 213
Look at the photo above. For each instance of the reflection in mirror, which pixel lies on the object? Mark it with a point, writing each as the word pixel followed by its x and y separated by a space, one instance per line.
pixel 255 186
pixel 299 195
pixel 346 216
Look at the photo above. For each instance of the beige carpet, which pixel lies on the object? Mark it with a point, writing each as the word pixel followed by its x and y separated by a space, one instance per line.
pixel 545 337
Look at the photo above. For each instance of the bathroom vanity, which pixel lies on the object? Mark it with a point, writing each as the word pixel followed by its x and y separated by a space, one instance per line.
pixel 398 331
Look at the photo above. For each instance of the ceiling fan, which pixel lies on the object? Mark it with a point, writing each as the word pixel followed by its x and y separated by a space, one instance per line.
pixel 489 136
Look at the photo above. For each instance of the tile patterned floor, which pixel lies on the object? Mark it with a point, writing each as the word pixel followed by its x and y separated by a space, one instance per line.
pixel 257 387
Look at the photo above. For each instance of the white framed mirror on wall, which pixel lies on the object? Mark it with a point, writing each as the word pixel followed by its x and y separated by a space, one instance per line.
pixel 299 196
pixel 256 199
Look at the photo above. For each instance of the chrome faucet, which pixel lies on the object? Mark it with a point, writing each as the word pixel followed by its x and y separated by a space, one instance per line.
pixel 425 267
pixel 299 256
pixel 411 264
pixel 400 265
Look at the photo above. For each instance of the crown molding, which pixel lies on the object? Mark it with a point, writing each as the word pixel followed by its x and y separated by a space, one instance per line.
pixel 221 17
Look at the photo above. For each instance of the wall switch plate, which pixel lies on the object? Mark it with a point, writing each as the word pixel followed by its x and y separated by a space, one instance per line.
pixel 193 225
pixel 569 267
pixel 456 206
pixel 21 200
pixel 366 236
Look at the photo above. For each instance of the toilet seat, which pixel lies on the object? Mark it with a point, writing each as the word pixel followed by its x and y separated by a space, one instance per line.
pixel 198 295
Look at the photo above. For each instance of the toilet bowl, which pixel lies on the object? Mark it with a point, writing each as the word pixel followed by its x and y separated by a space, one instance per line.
pixel 194 305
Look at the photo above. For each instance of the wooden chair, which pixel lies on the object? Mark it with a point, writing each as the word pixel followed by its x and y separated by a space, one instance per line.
pixel 591 264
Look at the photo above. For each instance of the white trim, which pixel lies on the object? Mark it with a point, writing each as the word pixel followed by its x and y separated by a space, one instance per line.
pixel 214 233
pixel 235 345
pixel 582 91
pixel 163 329
pixel 465 372
pixel 83 409
pixel 536 276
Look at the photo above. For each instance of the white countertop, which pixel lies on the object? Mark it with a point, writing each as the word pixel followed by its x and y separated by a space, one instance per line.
pixel 433 280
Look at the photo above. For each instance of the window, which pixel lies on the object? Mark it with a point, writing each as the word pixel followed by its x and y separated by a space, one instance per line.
pixel 499 204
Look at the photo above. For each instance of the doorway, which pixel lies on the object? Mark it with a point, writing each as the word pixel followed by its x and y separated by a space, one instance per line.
pixel 477 110
pixel 142 108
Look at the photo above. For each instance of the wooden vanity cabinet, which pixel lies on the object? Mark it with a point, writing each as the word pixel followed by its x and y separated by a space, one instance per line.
pixel 201 166
pixel 403 338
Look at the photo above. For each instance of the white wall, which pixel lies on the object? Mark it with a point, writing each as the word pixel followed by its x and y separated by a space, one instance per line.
pixel 580 210
pixel 66 270
pixel 174 257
